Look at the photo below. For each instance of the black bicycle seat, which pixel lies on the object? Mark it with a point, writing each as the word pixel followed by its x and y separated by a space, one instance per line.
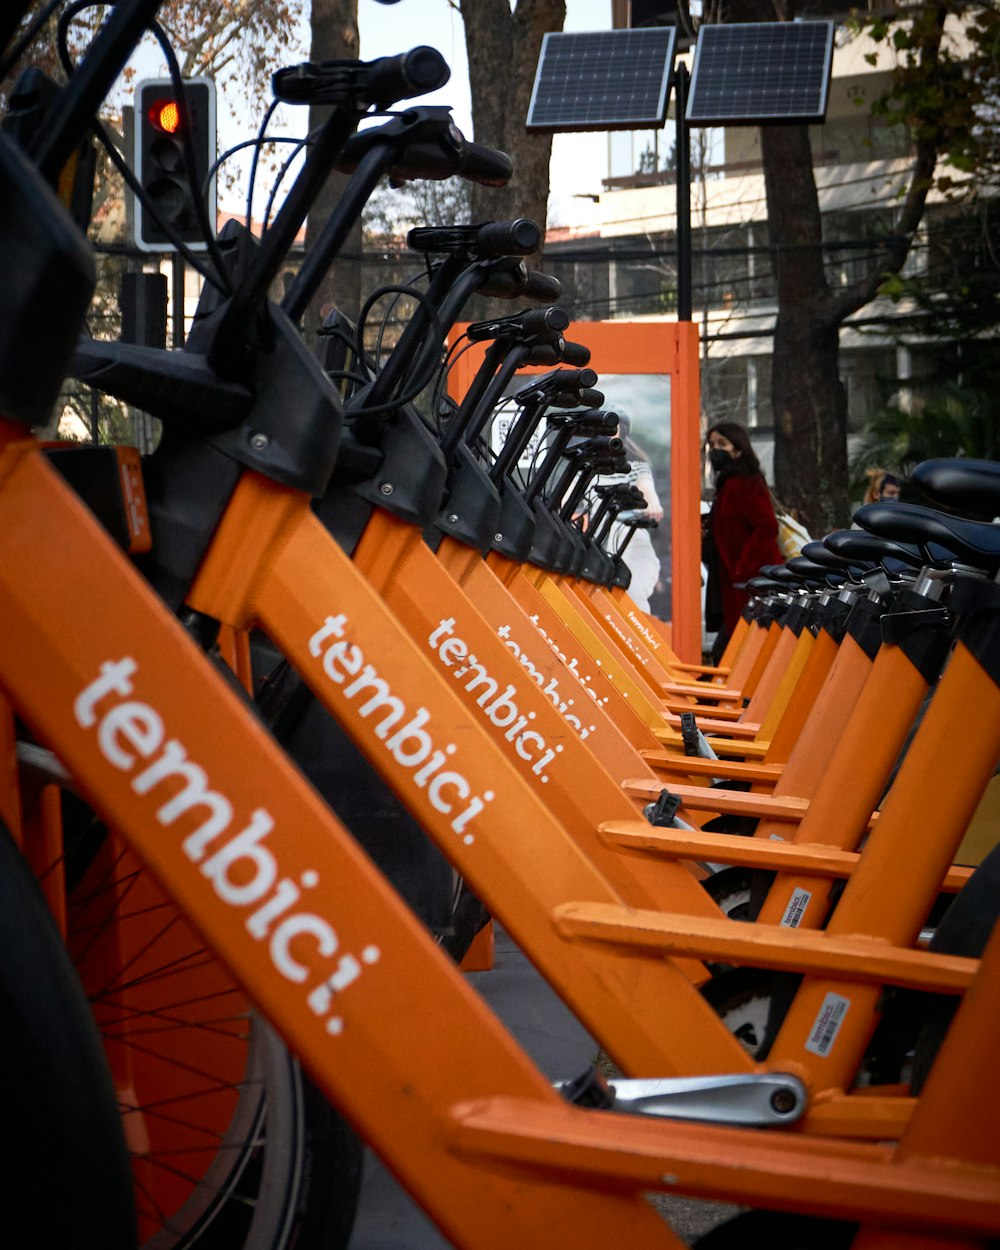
pixel 860 547
pixel 822 555
pixel 787 578
pixel 972 542
pixel 766 585
pixel 816 573
pixel 965 486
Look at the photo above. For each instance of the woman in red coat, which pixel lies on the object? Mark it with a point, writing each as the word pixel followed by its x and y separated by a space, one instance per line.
pixel 743 525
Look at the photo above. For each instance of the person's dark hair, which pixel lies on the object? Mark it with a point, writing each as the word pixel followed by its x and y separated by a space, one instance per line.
pixel 632 449
pixel 890 479
pixel 747 465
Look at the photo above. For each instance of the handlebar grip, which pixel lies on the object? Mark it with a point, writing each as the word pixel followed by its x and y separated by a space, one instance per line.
pixel 487 166
pixel 413 73
pixel 545 353
pixel 505 279
pixel 435 154
pixel 593 399
pixel 615 463
pixel 542 320
pixel 542 286
pixel 345 82
pixel 575 354
pixel 598 445
pixel 595 421
pixel 528 322
pixel 584 378
pixel 491 240
pixel 520 237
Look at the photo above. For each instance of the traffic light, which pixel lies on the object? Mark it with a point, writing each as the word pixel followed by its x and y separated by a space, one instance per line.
pixel 163 121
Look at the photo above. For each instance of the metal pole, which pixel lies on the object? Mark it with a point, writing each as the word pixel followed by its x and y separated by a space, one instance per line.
pixel 177 309
pixel 681 80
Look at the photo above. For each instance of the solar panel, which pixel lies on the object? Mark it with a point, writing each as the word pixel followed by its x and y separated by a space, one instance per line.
pixel 752 73
pixel 603 80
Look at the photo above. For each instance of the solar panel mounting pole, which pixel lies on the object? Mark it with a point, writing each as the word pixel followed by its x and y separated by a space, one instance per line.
pixel 681 81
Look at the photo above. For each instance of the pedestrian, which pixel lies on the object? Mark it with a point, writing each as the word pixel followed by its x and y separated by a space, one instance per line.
pixel 872 490
pixel 742 523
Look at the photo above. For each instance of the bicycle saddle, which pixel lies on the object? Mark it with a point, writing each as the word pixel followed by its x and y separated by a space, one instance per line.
pixel 820 554
pixel 791 579
pixel 868 549
pixel 816 573
pixel 766 586
pixel 973 542
pixel 967 486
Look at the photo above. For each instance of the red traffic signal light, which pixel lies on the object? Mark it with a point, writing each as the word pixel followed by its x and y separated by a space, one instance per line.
pixel 168 130
pixel 165 115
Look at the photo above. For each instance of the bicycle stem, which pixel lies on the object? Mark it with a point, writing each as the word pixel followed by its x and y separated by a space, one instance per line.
pixel 338 225
pixel 228 348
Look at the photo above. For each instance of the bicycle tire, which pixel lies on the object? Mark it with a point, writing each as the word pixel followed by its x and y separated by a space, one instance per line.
pixel 210 1086
pixel 66 1180
pixel 300 1193
pixel 731 889
pixel 752 1003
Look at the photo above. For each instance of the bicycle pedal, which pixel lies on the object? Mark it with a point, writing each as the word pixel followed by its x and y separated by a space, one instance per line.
pixel 591 1089
pixel 689 734
pixel 662 812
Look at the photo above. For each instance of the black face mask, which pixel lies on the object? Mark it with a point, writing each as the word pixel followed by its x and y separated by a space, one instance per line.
pixel 718 458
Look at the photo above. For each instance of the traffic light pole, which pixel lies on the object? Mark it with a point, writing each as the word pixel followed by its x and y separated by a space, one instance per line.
pixel 177 302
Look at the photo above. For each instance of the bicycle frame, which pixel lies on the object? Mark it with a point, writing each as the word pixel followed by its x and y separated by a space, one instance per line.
pixel 105 689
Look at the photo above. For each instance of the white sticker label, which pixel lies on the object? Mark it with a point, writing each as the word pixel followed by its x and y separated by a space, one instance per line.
pixel 797 905
pixel 827 1026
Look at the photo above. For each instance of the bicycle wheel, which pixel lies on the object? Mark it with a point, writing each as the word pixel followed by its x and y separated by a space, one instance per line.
pixel 66 1172
pixel 731 889
pixel 204 1087
pixel 752 1003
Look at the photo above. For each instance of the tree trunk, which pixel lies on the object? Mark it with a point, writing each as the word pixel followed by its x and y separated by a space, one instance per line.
pixel 334 35
pixel 503 49
pixel 808 397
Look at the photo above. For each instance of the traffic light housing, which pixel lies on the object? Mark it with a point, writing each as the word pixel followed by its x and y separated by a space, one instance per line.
pixel 161 121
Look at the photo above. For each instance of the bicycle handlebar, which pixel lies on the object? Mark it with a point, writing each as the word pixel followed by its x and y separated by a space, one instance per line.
pixel 434 149
pixel 506 278
pixel 554 353
pixel 574 398
pixel 542 286
pixel 381 82
pixel 558 380
pixel 520 325
pixel 489 240
pixel 600 445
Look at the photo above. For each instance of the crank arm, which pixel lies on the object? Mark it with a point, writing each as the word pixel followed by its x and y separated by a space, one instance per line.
pixel 751 1100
